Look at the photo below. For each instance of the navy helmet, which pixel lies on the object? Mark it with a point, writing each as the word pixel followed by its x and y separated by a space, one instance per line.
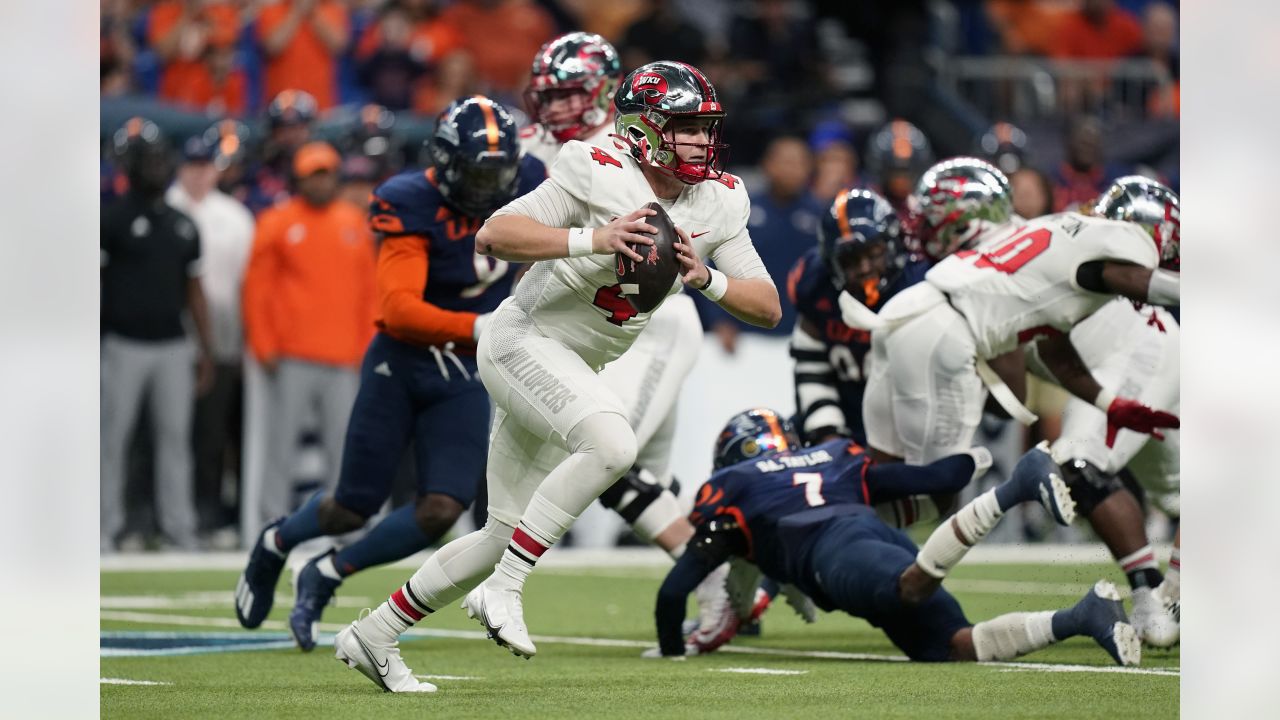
pixel 753 434
pixel 475 153
pixel 862 226
pixel 144 153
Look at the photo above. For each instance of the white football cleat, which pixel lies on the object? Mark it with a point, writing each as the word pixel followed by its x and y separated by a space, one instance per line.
pixel 501 612
pixel 379 662
pixel 1153 618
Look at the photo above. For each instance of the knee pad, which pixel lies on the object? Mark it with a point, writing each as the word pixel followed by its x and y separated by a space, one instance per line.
pixel 1089 485
pixel 632 494
pixel 609 438
pixel 435 513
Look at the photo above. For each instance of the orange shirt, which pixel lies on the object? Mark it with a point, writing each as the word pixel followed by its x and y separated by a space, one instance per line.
pixel 1119 35
pixel 200 91
pixel 502 39
pixel 223 23
pixel 309 285
pixel 304 63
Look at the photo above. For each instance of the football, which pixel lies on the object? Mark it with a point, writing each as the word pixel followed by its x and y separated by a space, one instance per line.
pixel 645 284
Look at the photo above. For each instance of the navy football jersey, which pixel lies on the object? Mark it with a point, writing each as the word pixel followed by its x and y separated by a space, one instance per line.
pixel 758 494
pixel 457 278
pixel 815 297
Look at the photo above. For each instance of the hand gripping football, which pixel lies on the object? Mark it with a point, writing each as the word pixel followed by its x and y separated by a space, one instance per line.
pixel 645 284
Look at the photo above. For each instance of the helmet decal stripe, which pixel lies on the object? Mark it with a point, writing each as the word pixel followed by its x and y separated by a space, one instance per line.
pixel 490 122
pixel 842 211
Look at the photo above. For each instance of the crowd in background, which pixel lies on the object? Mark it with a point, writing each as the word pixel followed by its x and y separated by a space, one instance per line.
pixel 303 106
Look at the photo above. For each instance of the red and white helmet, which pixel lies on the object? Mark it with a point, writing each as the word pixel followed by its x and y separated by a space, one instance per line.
pixel 583 67
pixel 1144 201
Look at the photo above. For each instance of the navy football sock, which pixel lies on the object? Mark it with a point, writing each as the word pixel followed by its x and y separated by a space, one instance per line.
pixel 397 536
pixel 1066 624
pixel 302 525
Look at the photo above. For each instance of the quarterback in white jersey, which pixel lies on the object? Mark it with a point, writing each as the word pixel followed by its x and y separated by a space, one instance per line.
pixel 573 82
pixel 540 353
pixel 1002 282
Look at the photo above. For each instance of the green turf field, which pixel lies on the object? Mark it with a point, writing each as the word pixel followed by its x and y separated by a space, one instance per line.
pixel 590 626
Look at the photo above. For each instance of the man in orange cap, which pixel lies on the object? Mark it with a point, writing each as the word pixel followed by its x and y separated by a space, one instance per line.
pixel 309 306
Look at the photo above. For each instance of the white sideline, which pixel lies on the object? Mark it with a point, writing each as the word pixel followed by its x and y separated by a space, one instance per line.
pixel 197 621
pixel 122 681
pixel 630 557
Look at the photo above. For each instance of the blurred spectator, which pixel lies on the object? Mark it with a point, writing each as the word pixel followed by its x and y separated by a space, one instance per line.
pixel 372 138
pixel 150 276
pixel 226 234
pixel 195 40
pixel 897 155
pixel 1160 45
pixel 308 312
pixel 115 48
pixel 1025 27
pixel 1098 30
pixel 301 40
pixel 289 119
pixel 400 56
pixel 663 34
pixel 783 225
pixel 500 36
pixel 1032 193
pixel 1005 146
pixel 773 76
pixel 835 160
pixel 1080 176
pixel 358 175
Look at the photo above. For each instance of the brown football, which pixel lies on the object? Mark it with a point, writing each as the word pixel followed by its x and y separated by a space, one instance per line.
pixel 645 284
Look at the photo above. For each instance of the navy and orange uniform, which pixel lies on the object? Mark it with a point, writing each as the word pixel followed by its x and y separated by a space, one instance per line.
pixel 804 517
pixel 830 379
pixel 418 380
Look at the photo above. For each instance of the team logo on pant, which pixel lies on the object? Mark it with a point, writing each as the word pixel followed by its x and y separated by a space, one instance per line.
pixel 544 385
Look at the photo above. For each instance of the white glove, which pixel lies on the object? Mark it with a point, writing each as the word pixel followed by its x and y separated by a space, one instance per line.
pixel 482 321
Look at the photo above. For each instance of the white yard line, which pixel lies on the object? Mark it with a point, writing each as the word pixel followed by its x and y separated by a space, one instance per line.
pixel 122 681
pixel 448 677
pixel 196 621
pixel 759 671
pixel 630 557
pixel 205 601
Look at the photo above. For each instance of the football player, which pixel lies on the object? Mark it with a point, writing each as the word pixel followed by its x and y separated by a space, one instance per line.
pixel 1138 350
pixel 573 83
pixel 897 154
pixel 801 515
pixel 419 379
pixel 1002 282
pixel 540 354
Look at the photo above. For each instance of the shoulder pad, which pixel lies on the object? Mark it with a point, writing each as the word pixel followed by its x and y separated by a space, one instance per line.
pixel 404 205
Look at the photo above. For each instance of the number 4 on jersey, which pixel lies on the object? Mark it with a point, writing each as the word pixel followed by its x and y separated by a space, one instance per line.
pixel 604 158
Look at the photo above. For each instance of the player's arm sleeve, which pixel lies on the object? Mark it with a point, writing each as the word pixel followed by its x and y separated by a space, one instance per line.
pixel 817 399
pixel 401 279
pixel 890 481
pixel 560 201
pixel 737 256
pixel 194 255
pixel 692 567
pixel 259 277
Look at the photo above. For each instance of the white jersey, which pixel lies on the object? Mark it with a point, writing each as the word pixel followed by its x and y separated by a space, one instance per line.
pixel 577 301
pixel 1021 281
pixel 537 141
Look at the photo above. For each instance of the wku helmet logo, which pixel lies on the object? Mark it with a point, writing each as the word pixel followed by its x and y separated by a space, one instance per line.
pixel 650 87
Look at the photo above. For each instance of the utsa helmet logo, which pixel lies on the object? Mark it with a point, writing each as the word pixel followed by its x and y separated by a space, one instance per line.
pixel 651 87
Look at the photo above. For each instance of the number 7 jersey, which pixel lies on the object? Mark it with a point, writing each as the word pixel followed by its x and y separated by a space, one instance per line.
pixel 1021 282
